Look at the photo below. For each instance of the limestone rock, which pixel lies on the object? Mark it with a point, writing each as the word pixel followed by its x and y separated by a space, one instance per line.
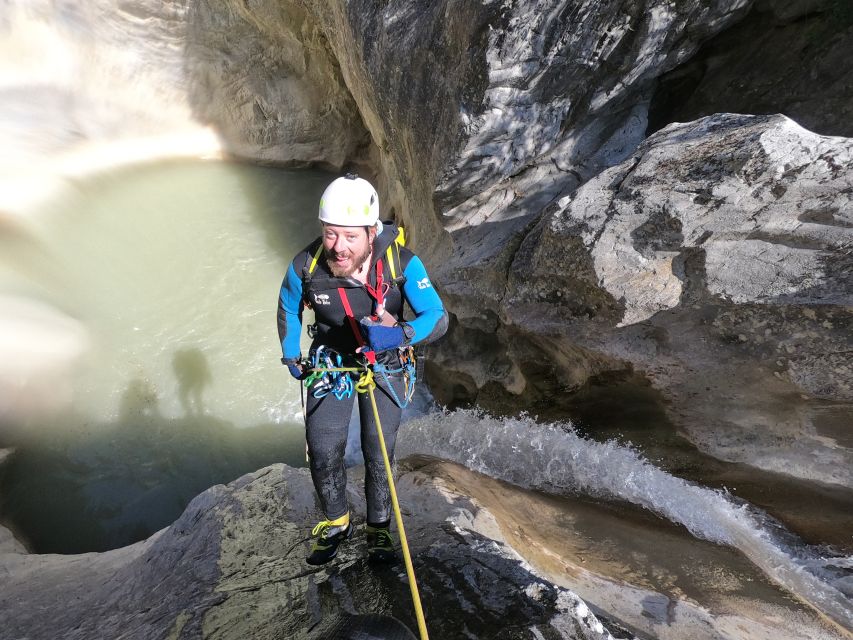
pixel 262 75
pixel 717 260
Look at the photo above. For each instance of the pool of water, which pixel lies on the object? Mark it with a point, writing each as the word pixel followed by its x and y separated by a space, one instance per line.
pixel 171 272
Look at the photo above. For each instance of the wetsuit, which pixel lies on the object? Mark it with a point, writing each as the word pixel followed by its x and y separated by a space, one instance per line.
pixel 327 418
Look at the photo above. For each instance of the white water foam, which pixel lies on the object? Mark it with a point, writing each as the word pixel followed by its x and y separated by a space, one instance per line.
pixel 554 458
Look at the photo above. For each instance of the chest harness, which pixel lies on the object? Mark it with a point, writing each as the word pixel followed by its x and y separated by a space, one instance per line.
pixel 329 375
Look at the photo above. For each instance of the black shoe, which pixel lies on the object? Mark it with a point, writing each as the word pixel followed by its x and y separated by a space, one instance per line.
pixel 380 545
pixel 326 545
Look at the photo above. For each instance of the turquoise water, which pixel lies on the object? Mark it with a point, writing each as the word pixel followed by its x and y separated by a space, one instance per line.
pixel 173 271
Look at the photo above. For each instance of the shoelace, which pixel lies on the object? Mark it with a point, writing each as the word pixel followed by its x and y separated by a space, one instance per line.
pixel 383 538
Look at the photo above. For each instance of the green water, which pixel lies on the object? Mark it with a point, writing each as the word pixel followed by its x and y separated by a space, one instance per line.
pixel 173 271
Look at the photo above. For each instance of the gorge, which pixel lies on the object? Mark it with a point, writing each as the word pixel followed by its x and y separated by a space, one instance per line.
pixel 647 200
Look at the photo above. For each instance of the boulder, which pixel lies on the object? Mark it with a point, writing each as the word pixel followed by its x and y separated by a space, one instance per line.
pixel 716 261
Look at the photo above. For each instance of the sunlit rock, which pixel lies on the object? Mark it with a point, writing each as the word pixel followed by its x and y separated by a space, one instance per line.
pixel 717 261
pixel 262 74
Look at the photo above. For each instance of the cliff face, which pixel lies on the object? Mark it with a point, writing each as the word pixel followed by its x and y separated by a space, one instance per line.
pixel 262 74
pixel 784 57
pixel 716 260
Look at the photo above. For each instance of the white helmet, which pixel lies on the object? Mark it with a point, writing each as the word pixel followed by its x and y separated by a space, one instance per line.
pixel 350 202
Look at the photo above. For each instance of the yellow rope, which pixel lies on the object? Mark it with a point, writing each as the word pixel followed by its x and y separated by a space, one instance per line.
pixel 368 382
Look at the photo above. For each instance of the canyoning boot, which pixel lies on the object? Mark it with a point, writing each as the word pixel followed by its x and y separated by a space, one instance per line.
pixel 380 545
pixel 330 534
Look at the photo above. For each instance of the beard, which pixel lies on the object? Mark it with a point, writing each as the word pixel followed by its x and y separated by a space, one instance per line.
pixel 357 263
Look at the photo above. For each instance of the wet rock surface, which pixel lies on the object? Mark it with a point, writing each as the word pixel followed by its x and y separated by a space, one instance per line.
pixel 492 561
pixel 232 566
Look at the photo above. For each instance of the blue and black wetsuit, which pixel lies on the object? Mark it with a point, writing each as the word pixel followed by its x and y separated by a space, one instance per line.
pixel 327 418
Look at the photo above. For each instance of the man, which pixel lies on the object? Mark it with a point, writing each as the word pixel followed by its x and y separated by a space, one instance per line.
pixel 355 277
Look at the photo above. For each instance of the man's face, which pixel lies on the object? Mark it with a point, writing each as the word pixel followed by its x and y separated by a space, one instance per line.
pixel 346 248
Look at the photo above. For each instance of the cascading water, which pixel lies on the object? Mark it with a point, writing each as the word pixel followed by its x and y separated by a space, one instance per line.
pixel 553 458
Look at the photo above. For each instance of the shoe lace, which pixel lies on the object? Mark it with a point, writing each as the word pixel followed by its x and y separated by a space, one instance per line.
pixel 383 538
pixel 321 528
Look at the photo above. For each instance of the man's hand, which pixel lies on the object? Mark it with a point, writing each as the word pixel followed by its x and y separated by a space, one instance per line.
pixel 380 337
pixel 296 367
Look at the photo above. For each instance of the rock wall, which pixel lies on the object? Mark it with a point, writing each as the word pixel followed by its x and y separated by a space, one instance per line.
pixel 262 75
pixel 717 261
pixel 784 57
pixel 475 111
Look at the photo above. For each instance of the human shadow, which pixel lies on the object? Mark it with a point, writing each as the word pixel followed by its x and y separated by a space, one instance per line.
pixel 139 402
pixel 193 374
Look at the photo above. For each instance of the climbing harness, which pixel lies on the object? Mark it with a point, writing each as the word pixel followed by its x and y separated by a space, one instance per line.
pixel 367 384
pixel 326 374
pixel 377 291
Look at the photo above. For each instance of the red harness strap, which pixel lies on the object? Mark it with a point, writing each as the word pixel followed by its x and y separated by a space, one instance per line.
pixel 377 293
pixel 368 353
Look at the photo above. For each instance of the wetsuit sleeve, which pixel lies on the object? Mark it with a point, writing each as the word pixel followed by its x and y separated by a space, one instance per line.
pixel 290 314
pixel 430 321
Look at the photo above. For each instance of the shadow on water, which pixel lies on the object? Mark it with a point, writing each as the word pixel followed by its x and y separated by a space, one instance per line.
pixel 77 486
pixel 272 192
pixel 193 374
